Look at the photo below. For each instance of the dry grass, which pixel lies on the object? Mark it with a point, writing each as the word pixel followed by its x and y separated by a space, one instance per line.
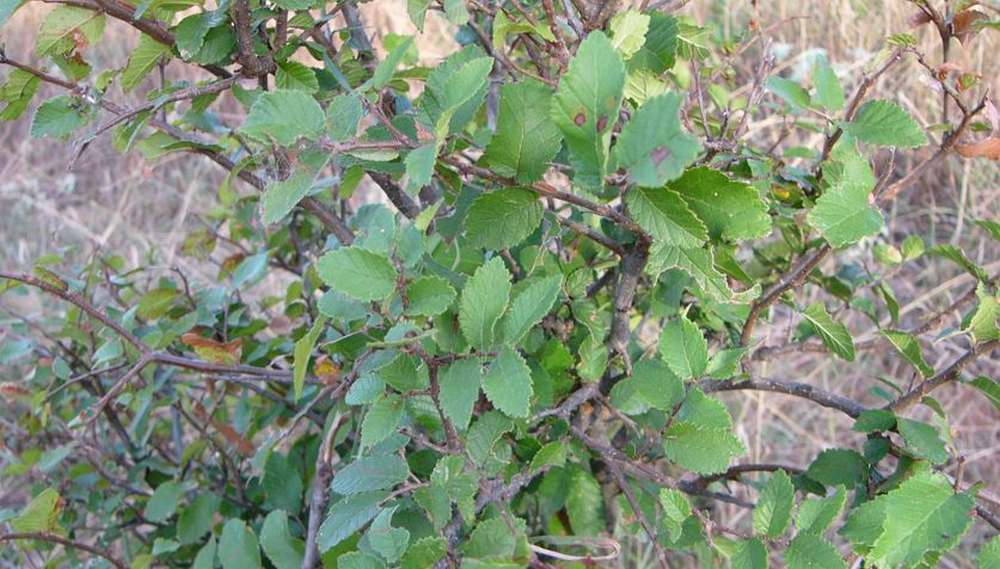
pixel 122 205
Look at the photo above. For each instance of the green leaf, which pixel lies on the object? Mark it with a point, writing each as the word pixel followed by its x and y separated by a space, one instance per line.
pixel 163 503
pixel 359 560
pixel 343 114
pixel 659 51
pixel 387 67
pixel 989 388
pixel 730 210
pixel 417 10
pixel 843 214
pixel 884 123
pixel 420 167
pixel 526 138
pixel 838 467
pixel 303 350
pixel 429 296
pixel 684 348
pixel 198 518
pixel 829 92
pixel 552 454
pixel 503 218
pixel 507 383
pixel 989 555
pixel 923 515
pixel 751 554
pixel 388 541
pixel 280 198
pixel 459 386
pixel 816 514
pixel 983 323
pixel 835 335
pixel 282 483
pixel 676 510
pixel 909 348
pixel 628 32
pixel 455 90
pixel 296 76
pixel 146 55
pixel 381 420
pixel 703 450
pixel 284 551
pixel 206 555
pixel 238 547
pixel 367 473
pixel 347 516
pixel 58 117
pixel 790 91
pixel 424 553
pixel 585 107
pixel 665 215
pixel 358 273
pixel 874 420
pixel 699 264
pixel 483 302
pixel 653 146
pixel 41 514
pixel 284 116
pixel 923 440
pixel 957 256
pixel 529 306
pixel 808 551
pixel 656 385
pixel 584 503
pixel 17 93
pixel 773 511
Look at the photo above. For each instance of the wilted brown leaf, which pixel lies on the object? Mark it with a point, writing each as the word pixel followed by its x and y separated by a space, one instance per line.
pixel 988 148
pixel 963 24
pixel 919 19
pixel 238 442
pixel 210 350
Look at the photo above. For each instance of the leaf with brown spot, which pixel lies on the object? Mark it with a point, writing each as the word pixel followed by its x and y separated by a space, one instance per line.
pixel 326 370
pixel 988 148
pixel 213 351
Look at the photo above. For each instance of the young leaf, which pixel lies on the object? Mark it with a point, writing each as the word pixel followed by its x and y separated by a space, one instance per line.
pixel 455 90
pixel 816 514
pixel 684 348
pixel 790 91
pixel 280 198
pixel 358 273
pixel 585 503
pixel 730 210
pixel 909 348
pixel 923 440
pixel 676 509
pixel 585 107
pixel 774 508
pixel 507 383
pixel 835 335
pixel 989 388
pixel 420 167
pixel 303 350
pixel 146 55
pixel 483 302
pixel 284 116
pixel 829 92
pixel 526 139
pixel 41 514
pixel 884 123
pixel 503 218
pixel 628 32
pixel 983 325
pixel 653 145
pixel 665 215
pixel 387 67
pixel 843 214
pixel 459 386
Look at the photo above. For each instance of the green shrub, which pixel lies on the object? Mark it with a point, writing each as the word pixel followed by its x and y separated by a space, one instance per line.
pixel 515 359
